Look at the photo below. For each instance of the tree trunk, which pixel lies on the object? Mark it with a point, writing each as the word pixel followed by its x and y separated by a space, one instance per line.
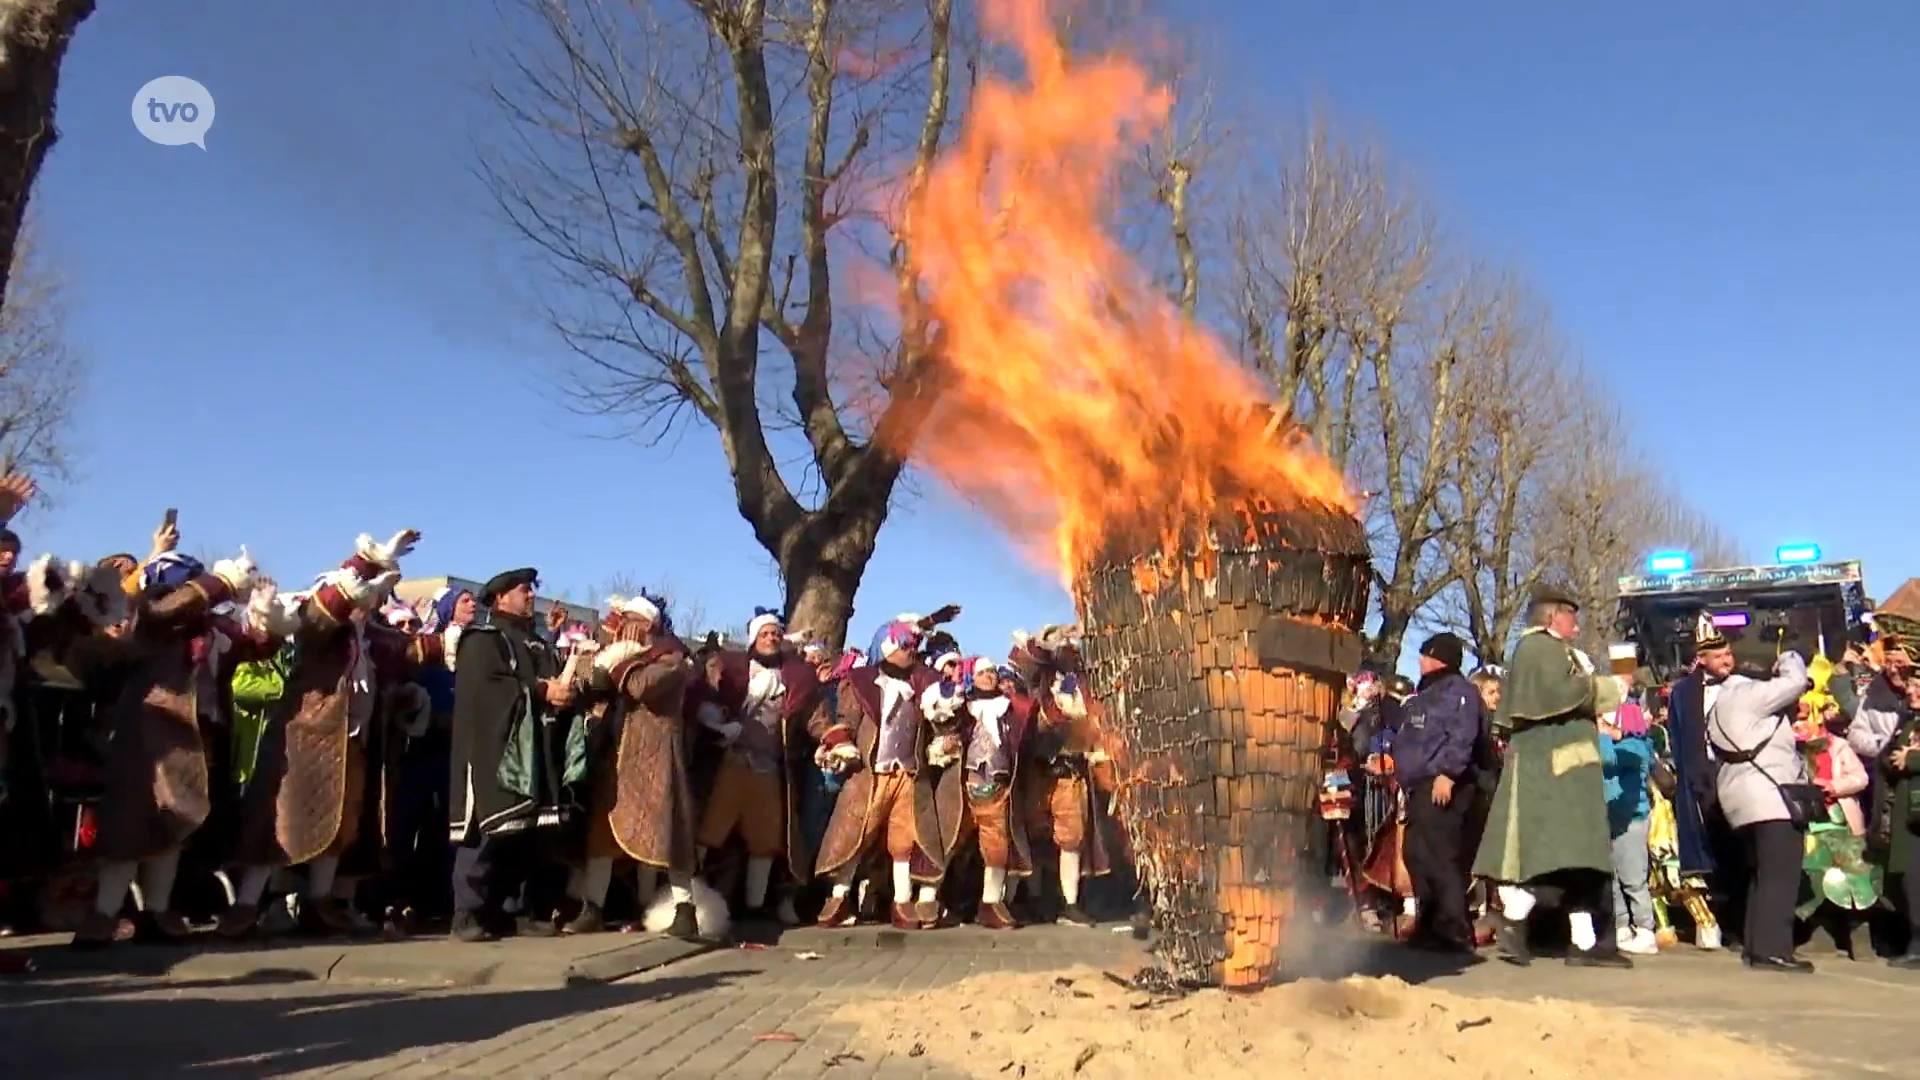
pixel 33 40
pixel 824 567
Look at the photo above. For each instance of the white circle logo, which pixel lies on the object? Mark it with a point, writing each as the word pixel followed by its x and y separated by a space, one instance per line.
pixel 174 110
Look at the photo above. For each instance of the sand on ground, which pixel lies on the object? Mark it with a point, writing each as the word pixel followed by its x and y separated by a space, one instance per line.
pixel 1081 1023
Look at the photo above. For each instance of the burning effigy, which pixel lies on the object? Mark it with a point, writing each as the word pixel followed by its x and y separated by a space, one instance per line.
pixel 1214 556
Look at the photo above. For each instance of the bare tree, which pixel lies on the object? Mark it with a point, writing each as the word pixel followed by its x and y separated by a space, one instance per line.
pixel 689 172
pixel 34 35
pixel 1518 394
pixel 1349 306
pixel 1606 512
pixel 42 374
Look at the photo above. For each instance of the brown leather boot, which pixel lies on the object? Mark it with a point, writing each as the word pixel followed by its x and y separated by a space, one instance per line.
pixel 995 917
pixel 905 917
pixel 838 912
pixel 928 912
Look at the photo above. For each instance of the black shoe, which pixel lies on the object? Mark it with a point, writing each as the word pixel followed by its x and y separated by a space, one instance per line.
pixel 686 923
pixel 591 920
pixel 1909 962
pixel 1786 964
pixel 525 927
pixel 1599 958
pixel 471 928
pixel 1510 937
pixel 1075 915
pixel 1440 946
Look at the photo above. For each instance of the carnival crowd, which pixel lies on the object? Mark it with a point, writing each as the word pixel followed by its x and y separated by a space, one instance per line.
pixel 1763 796
pixel 188 744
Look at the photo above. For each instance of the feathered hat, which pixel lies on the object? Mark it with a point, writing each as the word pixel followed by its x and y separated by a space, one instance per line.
pixel 896 639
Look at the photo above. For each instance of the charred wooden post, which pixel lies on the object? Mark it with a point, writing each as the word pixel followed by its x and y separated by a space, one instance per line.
pixel 1219 668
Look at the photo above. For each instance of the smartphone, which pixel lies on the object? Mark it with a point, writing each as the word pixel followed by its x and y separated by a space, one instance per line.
pixel 173 517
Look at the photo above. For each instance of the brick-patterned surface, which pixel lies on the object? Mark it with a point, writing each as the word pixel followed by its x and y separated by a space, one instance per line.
pixel 710 1017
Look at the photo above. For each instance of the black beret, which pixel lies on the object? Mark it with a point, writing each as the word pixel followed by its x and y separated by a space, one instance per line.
pixel 506 582
pixel 1447 649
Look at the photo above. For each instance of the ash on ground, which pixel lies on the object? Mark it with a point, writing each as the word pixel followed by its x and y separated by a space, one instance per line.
pixel 1087 1023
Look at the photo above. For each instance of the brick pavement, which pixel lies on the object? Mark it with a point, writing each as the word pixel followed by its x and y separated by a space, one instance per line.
pixel 706 1017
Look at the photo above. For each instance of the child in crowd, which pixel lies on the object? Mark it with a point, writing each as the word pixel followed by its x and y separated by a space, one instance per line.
pixel 1626 755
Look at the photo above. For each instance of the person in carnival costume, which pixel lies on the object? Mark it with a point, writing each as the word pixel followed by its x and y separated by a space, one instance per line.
pixel 881 742
pixel 152 673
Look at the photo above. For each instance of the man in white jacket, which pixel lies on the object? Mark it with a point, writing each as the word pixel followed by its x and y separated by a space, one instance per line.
pixel 1750 728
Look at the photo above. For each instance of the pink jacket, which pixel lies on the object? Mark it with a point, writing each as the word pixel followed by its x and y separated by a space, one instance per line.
pixel 1849 780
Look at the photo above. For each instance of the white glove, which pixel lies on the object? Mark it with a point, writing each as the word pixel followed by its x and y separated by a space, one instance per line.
pixel 450 644
pixel 383 587
pixel 361 592
pixel 386 556
pixel 729 731
pixel 605 660
pixel 270 613
pixel 238 572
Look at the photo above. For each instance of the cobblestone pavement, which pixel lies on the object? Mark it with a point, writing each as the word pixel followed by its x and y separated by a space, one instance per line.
pixel 754 1014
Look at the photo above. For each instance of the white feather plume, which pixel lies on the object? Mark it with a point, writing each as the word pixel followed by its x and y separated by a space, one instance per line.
pixel 710 912
pixel 46 588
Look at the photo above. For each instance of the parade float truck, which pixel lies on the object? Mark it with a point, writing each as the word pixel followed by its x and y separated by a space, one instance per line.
pixel 1820 604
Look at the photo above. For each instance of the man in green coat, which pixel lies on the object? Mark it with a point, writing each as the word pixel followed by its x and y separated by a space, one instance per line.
pixel 1547 840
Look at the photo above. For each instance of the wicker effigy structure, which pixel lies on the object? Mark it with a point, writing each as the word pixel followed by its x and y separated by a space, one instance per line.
pixel 1219 663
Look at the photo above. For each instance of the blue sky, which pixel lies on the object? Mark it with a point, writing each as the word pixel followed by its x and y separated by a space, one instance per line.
pixel 296 333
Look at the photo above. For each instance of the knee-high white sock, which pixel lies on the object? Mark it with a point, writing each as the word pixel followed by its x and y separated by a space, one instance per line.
pixel 680 887
pixel 595 880
pixel 902 882
pixel 993 885
pixel 1070 877
pixel 156 881
pixel 1580 930
pixel 320 874
pixel 759 875
pixel 253 886
pixel 1516 903
pixel 928 894
pixel 115 879
pixel 842 889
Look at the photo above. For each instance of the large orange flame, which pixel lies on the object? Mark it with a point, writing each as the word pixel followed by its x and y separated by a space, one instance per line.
pixel 1081 407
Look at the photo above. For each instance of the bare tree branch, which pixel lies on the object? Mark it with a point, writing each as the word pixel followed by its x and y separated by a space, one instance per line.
pixel 688 174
